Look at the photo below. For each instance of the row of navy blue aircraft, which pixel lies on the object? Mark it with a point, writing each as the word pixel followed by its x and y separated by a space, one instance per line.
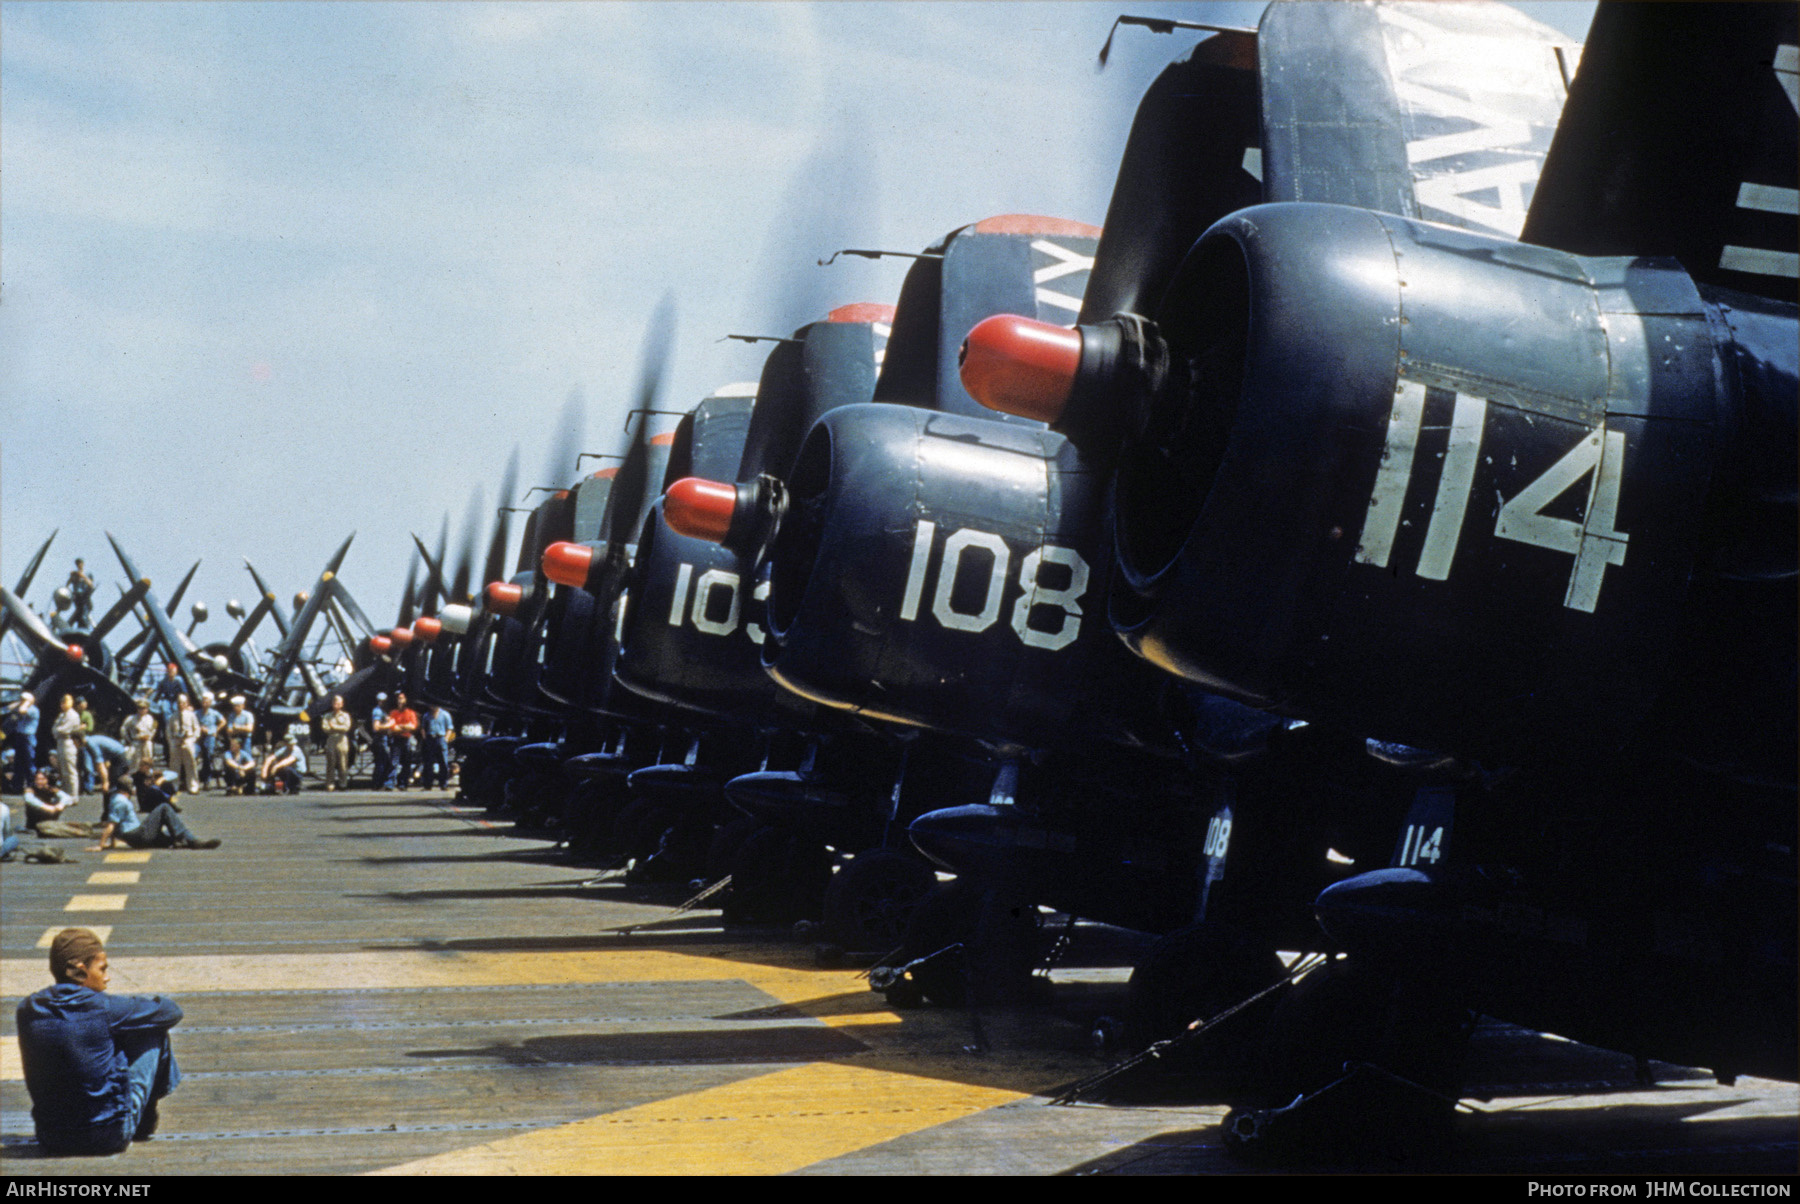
pixel 1378 543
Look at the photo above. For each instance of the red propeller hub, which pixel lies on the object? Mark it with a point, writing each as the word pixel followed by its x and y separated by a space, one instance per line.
pixel 700 509
pixel 76 652
pixel 427 629
pixel 503 597
pixel 568 563
pixel 381 645
pixel 1020 366
pixel 401 636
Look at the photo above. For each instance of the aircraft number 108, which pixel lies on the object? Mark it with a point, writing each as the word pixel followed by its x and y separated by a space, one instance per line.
pixel 967 551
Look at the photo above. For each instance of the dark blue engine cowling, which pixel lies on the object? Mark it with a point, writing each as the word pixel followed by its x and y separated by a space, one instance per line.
pixel 941 571
pixel 1434 485
pixel 580 635
pixel 692 634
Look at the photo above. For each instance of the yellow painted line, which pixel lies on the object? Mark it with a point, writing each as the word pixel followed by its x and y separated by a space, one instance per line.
pixel 113 877
pixel 136 857
pixel 103 931
pixel 96 903
pixel 767 1125
pixel 11 1070
pixel 839 996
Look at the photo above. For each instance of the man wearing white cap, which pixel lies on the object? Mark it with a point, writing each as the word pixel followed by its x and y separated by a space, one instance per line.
pixel 21 736
pixel 242 724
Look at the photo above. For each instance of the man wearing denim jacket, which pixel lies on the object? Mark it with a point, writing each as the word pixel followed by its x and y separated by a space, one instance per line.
pixel 95 1064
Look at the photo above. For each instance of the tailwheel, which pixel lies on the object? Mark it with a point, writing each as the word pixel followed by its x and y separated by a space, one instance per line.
pixel 1358 1067
pixel 727 839
pixel 872 898
pixel 967 944
pixel 777 877
pixel 1196 974
pixel 681 847
pixel 590 816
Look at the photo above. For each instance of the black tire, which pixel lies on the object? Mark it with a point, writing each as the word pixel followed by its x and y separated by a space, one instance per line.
pixel 777 877
pixel 872 898
pixel 678 841
pixel 942 926
pixel 972 945
pixel 588 817
pixel 721 852
pixel 1196 973
pixel 628 829
pixel 1342 1015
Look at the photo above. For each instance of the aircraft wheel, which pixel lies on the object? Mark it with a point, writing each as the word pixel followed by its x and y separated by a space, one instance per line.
pixel 680 844
pixel 492 790
pixel 777 877
pixel 589 817
pixel 628 829
pixel 730 836
pixel 976 946
pixel 872 898
pixel 1194 974
pixel 1359 1067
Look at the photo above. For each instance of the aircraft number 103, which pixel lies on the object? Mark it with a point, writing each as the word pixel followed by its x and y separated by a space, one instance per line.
pixel 971 548
pixel 707 613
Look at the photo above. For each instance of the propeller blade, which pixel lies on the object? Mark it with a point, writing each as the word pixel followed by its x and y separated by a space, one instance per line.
pixel 127 599
pixel 571 436
pixel 273 609
pixel 287 656
pixel 408 598
pixel 165 635
pixel 175 598
pixel 659 340
pixel 626 497
pixel 495 570
pixel 465 557
pixel 340 594
pixel 31 569
pixel 132 645
pixel 263 606
pixel 831 202
pixel 434 574
pixel 434 585
pixel 39 633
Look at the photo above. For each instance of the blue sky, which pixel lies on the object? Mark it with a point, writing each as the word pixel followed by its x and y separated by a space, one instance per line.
pixel 270 273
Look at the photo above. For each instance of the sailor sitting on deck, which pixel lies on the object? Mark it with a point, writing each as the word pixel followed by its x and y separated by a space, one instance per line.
pixel 282 768
pixel 95 1064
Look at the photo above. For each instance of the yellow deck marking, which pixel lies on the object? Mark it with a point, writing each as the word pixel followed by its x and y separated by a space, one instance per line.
pixel 96 903
pixel 11 1070
pixel 767 1125
pixel 835 994
pixel 103 931
pixel 137 857
pixel 113 877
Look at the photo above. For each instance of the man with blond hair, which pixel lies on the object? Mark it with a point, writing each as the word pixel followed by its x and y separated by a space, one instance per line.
pixel 95 1064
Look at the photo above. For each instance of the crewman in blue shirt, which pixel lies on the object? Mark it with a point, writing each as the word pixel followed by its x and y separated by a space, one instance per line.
pixel 381 746
pixel 112 761
pixel 21 737
pixel 95 1064
pixel 434 741
pixel 160 829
